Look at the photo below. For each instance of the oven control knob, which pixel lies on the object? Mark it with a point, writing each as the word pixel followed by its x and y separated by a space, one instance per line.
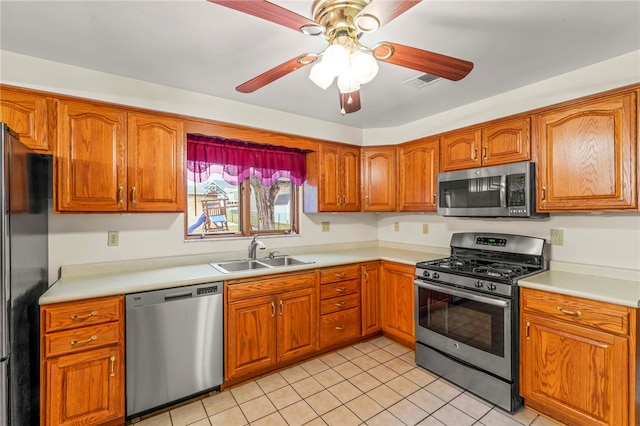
pixel 492 287
pixel 425 274
pixel 435 275
pixel 479 284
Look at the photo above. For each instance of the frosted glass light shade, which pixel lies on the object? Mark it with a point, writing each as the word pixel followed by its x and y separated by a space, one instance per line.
pixel 347 82
pixel 320 75
pixel 363 66
pixel 336 58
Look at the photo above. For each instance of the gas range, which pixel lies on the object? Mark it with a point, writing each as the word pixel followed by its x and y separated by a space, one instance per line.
pixel 488 263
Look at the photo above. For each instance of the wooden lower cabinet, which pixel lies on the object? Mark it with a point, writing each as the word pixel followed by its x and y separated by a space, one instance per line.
pixel 339 305
pixel 269 321
pixel 578 359
pixel 398 295
pixel 370 298
pixel 83 363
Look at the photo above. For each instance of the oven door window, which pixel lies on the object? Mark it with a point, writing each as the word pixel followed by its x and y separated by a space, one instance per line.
pixel 467 321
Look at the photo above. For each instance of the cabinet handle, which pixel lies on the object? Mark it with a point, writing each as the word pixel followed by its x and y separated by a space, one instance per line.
pixel 342 275
pixel 568 312
pixel 273 309
pixel 366 276
pixel 484 152
pixel 526 330
pixel 112 362
pixel 434 198
pixel 366 200
pixel 133 195
pixel 340 304
pixel 544 194
pixel 120 199
pixel 474 156
pixel 90 314
pixel 341 328
pixel 340 290
pixel 281 308
pixel 90 339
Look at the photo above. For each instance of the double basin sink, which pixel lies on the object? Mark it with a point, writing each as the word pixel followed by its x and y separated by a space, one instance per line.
pixel 242 265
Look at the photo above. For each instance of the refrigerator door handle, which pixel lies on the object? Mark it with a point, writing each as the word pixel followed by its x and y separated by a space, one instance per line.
pixel 5 256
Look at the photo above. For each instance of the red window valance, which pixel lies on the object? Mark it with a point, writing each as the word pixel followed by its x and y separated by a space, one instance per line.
pixel 237 160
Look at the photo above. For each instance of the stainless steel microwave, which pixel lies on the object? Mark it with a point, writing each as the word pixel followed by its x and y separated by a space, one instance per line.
pixel 507 190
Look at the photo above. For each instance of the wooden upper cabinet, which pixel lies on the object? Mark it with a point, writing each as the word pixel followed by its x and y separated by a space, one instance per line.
pixel 587 156
pixel 506 141
pixel 379 179
pixel 91 151
pixel 338 186
pixel 460 150
pixel 418 166
pixel 26 113
pixel 155 163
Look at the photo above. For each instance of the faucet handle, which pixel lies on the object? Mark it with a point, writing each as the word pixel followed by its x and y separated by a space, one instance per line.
pixel 272 254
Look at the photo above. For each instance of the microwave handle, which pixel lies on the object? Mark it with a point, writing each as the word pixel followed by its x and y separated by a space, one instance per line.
pixel 503 191
pixel 462 293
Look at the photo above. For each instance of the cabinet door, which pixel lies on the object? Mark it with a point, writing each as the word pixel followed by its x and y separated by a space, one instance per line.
pixel 460 150
pixel 297 323
pixel 576 374
pixel 350 179
pixel 155 163
pixel 418 175
pixel 85 388
pixel 370 296
pixel 507 141
pixel 587 156
pixel 251 336
pixel 91 158
pixel 26 114
pixel 398 301
pixel 330 170
pixel 379 179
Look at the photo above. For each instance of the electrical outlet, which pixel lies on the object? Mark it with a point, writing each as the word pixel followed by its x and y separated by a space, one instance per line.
pixel 425 228
pixel 396 226
pixel 113 238
pixel 326 226
pixel 557 237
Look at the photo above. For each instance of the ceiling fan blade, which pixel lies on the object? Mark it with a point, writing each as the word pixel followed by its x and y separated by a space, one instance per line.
pixel 349 102
pixel 269 11
pixel 275 73
pixel 387 10
pixel 422 60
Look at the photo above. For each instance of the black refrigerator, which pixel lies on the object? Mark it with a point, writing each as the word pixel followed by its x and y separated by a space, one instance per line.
pixel 26 195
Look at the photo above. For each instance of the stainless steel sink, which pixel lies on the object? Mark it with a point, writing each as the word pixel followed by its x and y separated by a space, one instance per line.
pixel 250 264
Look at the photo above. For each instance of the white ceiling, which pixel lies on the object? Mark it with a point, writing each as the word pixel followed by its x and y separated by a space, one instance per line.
pixel 206 48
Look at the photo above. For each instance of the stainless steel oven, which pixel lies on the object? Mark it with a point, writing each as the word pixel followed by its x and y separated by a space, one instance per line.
pixel 467 312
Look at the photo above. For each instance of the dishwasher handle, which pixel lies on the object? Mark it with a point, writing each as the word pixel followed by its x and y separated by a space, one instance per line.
pixel 174 296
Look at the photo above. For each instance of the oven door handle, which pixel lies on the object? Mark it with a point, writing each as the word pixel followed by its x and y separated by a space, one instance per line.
pixel 462 293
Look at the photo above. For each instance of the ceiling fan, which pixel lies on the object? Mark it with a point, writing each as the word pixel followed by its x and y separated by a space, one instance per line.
pixel 342 23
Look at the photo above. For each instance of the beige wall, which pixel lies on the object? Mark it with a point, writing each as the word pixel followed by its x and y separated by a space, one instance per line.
pixel 608 240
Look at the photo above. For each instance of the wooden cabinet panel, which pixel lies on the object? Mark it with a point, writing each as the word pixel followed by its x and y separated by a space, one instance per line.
pixel 85 388
pixel 587 156
pixel 26 113
pixel 333 179
pixel 81 339
pixel 418 167
pixel 70 315
pixel 251 336
pixel 155 163
pixel 91 147
pixel 506 141
pixel 297 323
pixel 339 327
pixel 370 297
pixel 340 288
pixel 330 182
pixel 460 150
pixel 379 179
pixel 398 296
pixel 350 179
pixel 339 273
pixel 339 303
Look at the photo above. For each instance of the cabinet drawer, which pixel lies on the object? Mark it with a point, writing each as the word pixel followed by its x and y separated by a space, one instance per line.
pixel 603 316
pixel 66 316
pixel 81 339
pixel 259 286
pixel 339 273
pixel 339 303
pixel 339 289
pixel 339 326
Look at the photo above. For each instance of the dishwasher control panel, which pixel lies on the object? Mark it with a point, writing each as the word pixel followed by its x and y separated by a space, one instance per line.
pixel 208 290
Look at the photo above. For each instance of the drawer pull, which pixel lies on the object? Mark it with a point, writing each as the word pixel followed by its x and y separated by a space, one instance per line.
pixel 340 290
pixel 281 308
pixel 568 312
pixel 340 304
pixel 341 328
pixel 273 309
pixel 341 275
pixel 92 338
pixel 112 362
pixel 90 314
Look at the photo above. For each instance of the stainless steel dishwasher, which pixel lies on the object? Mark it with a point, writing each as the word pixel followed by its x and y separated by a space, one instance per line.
pixel 174 345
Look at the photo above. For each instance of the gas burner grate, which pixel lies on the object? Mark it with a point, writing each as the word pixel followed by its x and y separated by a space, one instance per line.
pixel 500 270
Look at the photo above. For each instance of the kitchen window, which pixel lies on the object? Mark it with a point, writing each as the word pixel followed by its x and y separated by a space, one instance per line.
pixel 238 188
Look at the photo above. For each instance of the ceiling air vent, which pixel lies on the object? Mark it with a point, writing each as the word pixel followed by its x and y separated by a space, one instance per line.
pixel 421 81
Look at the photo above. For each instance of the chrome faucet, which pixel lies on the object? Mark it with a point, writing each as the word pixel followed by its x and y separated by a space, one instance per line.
pixel 253 246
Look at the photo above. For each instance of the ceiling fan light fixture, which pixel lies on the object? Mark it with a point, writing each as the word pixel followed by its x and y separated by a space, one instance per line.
pixel 347 82
pixel 366 23
pixel 363 66
pixel 321 75
pixel 312 30
pixel 336 59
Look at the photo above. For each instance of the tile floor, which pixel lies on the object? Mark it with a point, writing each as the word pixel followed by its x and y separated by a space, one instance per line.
pixel 371 383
